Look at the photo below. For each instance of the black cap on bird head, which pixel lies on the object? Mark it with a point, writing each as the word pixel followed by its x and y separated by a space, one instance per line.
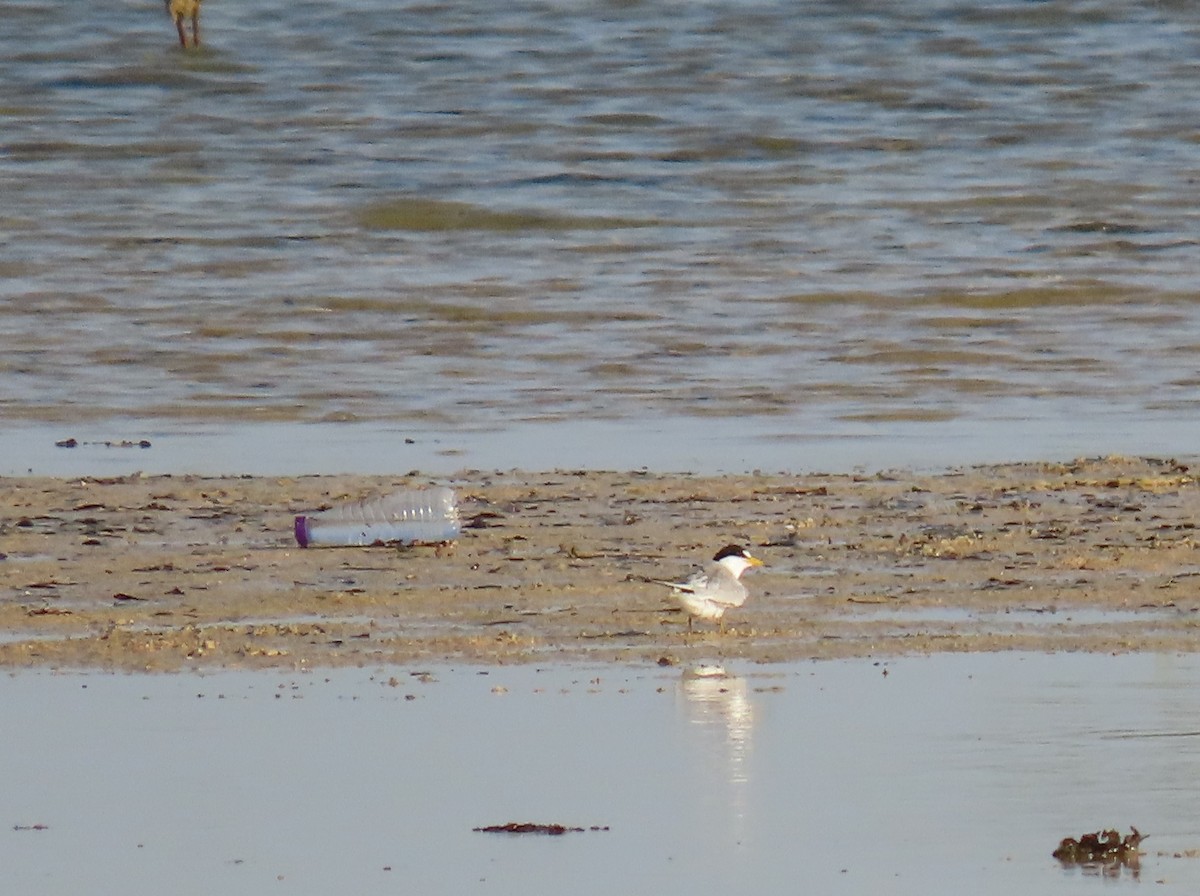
pixel 731 550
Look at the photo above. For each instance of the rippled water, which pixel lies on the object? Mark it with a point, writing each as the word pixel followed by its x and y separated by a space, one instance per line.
pixel 949 774
pixel 746 232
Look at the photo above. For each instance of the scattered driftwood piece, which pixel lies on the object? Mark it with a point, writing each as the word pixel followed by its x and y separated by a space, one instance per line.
pixel 1107 847
pixel 528 827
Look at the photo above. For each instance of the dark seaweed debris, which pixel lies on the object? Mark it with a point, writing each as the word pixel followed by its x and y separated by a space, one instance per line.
pixel 527 827
pixel 1104 847
pixel 124 443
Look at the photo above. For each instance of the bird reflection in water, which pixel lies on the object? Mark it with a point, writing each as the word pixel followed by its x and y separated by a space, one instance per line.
pixel 718 709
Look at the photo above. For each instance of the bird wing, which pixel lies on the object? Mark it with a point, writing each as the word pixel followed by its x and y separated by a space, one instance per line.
pixel 686 587
pixel 696 583
pixel 732 597
pixel 724 588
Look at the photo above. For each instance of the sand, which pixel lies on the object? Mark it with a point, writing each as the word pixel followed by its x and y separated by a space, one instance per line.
pixel 188 572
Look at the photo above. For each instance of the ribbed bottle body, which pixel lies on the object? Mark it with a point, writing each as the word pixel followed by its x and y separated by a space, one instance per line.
pixel 410 516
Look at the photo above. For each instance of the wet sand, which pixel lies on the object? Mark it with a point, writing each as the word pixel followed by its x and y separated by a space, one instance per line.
pixel 183 572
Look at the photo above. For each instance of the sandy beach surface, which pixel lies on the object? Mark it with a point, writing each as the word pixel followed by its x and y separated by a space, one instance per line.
pixel 182 572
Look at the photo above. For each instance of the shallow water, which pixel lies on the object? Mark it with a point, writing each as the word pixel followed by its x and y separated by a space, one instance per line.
pixel 755 235
pixel 946 773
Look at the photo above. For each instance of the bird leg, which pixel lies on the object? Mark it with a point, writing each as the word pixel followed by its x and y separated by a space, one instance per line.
pixel 196 26
pixel 179 28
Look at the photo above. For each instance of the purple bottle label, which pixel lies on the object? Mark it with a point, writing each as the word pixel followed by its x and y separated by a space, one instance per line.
pixel 301 530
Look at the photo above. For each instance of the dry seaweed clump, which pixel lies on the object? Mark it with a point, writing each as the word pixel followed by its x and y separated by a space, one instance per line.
pixel 1102 848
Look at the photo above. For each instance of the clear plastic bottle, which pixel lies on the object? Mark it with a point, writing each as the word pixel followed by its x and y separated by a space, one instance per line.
pixel 410 516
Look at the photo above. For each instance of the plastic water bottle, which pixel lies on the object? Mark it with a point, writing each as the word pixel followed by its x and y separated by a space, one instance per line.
pixel 411 516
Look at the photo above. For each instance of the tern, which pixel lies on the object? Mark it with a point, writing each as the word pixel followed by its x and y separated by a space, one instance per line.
pixel 709 592
pixel 185 9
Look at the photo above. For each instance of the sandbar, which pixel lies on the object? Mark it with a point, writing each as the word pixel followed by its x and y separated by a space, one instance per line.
pixel 180 572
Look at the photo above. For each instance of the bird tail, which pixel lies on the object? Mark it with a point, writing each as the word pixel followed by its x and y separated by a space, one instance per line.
pixel 682 587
